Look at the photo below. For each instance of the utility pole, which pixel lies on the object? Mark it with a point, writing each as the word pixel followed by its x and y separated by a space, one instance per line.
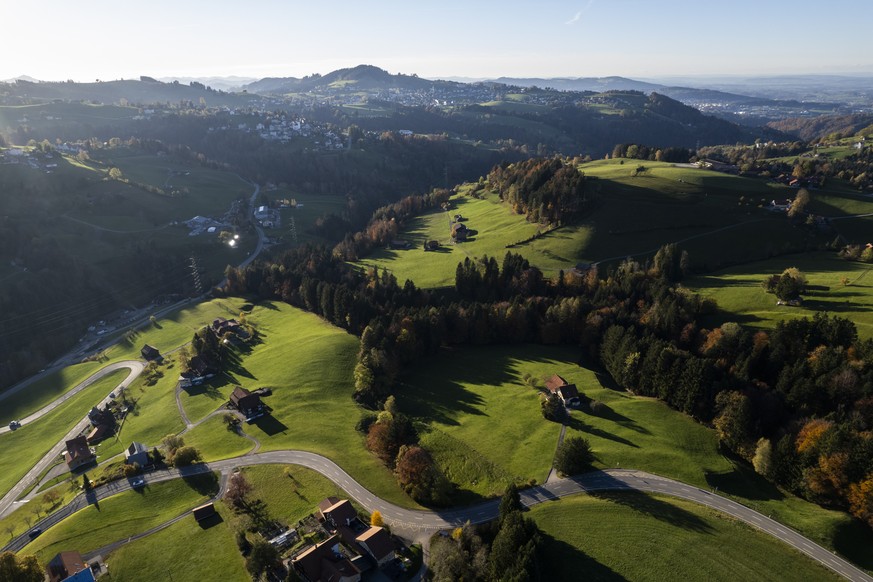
pixel 293 230
pixel 195 274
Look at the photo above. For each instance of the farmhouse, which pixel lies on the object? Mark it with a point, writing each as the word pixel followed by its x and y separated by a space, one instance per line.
pixel 78 453
pixel 377 542
pixel 326 562
pixel 221 326
pixel 198 371
pixel 150 353
pixel 69 567
pixel 136 453
pixel 97 434
pixel 337 512
pixel 568 393
pixel 248 404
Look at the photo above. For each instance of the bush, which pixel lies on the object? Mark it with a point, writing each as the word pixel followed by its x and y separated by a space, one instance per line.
pixel 553 409
pixel 186 456
pixel 573 456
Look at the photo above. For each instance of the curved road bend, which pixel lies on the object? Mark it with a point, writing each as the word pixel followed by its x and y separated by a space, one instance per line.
pixel 7 502
pixel 428 521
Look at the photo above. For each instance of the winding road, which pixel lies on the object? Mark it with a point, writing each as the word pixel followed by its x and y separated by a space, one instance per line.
pixel 416 522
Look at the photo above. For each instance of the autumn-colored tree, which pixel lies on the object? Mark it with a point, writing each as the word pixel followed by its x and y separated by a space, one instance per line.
pixel 861 499
pixel 238 488
pixel 376 519
pixel 811 433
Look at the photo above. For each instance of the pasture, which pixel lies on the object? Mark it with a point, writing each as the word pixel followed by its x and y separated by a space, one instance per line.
pixel 635 536
pixel 123 515
pixel 187 552
pixel 835 286
pixel 481 400
pixel 716 217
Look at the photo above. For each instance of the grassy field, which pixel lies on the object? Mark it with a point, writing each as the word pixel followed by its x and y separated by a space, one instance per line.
pixel 630 536
pixel 188 551
pixel 308 365
pixel 716 217
pixel 215 442
pixel 629 432
pixel 182 551
pixel 154 416
pixel 123 515
pixel 482 423
pixel 32 441
pixel 741 298
pixel 44 391
pixel 290 492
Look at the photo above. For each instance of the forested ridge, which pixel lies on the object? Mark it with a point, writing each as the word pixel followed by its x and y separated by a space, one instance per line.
pixel 795 401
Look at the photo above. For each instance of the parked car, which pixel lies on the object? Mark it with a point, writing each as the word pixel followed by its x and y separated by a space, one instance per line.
pixel 138 482
pixel 14 424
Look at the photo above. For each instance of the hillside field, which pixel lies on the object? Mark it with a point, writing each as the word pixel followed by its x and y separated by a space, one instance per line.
pixel 635 536
pixel 740 297
pixel 482 421
pixel 716 217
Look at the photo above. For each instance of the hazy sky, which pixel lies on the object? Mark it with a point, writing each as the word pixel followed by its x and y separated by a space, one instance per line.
pixel 62 39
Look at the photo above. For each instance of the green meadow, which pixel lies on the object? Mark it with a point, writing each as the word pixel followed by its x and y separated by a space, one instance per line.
pixel 44 391
pixel 123 515
pixel 482 421
pixel 290 492
pixel 717 217
pixel 835 286
pixel 308 365
pixel 33 441
pixel 635 536
pixel 184 551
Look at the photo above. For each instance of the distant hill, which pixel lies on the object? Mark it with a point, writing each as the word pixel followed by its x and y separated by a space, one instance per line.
pixel 143 91
pixel 596 84
pixel 815 128
pixel 220 83
pixel 361 77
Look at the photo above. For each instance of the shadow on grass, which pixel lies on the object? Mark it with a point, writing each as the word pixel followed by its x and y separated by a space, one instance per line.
pixel 581 426
pixel 743 482
pixel 270 425
pixel 203 483
pixel 853 539
pixel 602 410
pixel 211 521
pixel 438 391
pixel 660 510
pixel 233 364
pixel 562 561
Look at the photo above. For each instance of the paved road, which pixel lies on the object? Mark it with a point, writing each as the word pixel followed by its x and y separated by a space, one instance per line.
pixel 135 367
pixel 416 522
pixel 8 503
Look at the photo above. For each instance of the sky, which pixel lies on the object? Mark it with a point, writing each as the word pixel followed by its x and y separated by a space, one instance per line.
pixel 110 39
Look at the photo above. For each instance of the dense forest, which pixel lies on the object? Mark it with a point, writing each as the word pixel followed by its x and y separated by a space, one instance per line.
pixel 796 401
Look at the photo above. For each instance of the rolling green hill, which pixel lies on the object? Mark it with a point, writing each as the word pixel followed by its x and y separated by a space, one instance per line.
pixel 718 218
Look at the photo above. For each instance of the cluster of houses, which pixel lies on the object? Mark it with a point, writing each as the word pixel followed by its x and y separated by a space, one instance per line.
pixel 199 368
pixel 103 424
pixel 267 217
pixel 351 548
pixel 789 180
pixel 21 156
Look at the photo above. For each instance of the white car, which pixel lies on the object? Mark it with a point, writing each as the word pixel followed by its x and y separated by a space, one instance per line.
pixel 138 482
